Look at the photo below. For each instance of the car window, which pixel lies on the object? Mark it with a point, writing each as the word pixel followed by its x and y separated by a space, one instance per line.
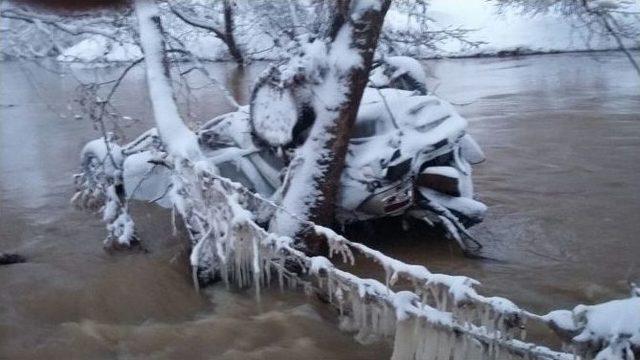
pixel 364 128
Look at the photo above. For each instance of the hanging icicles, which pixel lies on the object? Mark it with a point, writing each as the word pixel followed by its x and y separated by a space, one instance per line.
pixel 443 317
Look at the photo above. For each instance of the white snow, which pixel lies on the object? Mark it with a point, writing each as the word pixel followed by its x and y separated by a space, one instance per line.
pixel 108 154
pixel 361 6
pixel 446 171
pixel 424 120
pixel 605 4
pixel 312 158
pixel 610 322
pixel 99 48
pixel 470 150
pixel 610 328
pixel 274 114
pixel 562 319
pixel 343 56
pixel 145 181
pixel 181 141
pixel 407 65
pixel 122 230
pixel 510 31
pixel 546 32
pixel 318 264
pixel 462 204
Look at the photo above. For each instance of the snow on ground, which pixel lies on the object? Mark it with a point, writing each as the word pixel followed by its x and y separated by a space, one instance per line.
pixel 99 48
pixel 507 32
pixel 512 31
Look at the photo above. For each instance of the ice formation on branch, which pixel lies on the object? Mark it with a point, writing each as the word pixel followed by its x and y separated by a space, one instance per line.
pixel 441 316
pixel 435 316
pixel 609 330
pixel 100 187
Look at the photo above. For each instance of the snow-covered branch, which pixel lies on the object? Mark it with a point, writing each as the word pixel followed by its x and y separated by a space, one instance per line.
pixel 224 32
pixel 103 27
pixel 181 141
pixel 442 316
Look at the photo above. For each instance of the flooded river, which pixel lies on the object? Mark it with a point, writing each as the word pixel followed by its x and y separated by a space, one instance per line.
pixel 562 181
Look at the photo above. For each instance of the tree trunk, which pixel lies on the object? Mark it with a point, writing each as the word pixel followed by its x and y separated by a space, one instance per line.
pixel 314 183
pixel 226 34
pixel 229 27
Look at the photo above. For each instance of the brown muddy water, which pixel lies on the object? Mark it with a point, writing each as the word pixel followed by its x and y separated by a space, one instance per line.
pixel 562 180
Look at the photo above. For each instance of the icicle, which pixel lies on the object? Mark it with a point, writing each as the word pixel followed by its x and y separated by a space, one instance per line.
pixel 445 346
pixel 174 228
pixel 362 322
pixel 465 346
pixel 484 322
pixel 405 342
pixel 394 278
pixel 281 274
pixel 523 329
pixel 224 273
pixel 436 296
pixel 452 346
pixel 421 337
pixel 267 272
pixel 194 277
pixel 432 344
pixel 330 287
pixel 256 267
pixel 445 297
pixel 423 299
pixel 340 297
pixel 375 320
pixel 76 196
pixel 308 290
pixel 387 276
pixel 493 323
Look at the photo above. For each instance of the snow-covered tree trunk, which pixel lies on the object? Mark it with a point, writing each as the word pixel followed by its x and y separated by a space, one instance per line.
pixel 181 142
pixel 314 173
pixel 229 28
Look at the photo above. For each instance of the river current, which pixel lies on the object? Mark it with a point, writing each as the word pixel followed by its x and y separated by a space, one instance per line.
pixel 562 181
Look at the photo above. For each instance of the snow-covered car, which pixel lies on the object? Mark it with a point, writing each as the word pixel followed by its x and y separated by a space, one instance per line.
pixel 409 156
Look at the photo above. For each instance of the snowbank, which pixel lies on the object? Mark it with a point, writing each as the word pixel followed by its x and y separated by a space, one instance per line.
pixel 100 49
pixel 512 32
pixel 506 33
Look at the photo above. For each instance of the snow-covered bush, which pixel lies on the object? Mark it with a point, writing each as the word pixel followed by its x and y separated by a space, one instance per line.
pixel 100 187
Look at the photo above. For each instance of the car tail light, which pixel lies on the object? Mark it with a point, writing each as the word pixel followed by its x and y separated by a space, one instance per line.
pixel 396 206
